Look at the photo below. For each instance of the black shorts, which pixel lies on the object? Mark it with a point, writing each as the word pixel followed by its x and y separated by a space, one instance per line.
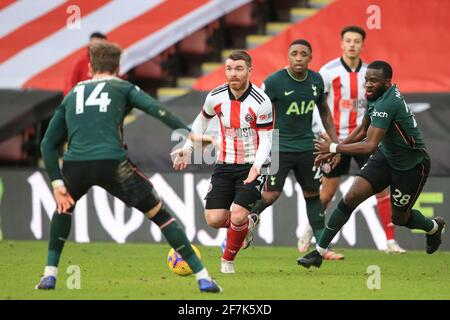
pixel 120 178
pixel 227 186
pixel 308 176
pixel 343 167
pixel 405 185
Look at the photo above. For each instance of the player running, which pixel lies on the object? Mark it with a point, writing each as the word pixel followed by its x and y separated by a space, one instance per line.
pixel 246 125
pixel 344 85
pixel 91 118
pixel 294 92
pixel 401 162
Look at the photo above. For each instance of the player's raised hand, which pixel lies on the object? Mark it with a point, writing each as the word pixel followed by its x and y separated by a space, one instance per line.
pixel 181 158
pixel 252 175
pixel 63 199
pixel 322 145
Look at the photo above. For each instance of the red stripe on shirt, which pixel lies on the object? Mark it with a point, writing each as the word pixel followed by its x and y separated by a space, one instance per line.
pixel 235 146
pixel 223 146
pixel 354 96
pixel 235 114
pixel 235 122
pixel 336 109
pixel 240 150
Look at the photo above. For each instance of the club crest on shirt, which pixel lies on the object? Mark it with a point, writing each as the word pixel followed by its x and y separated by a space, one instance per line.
pixel 249 118
pixel 314 90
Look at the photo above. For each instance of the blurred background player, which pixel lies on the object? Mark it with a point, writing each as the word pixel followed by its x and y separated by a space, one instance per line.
pixel 91 118
pixel 246 125
pixel 344 85
pixel 294 92
pixel 400 160
pixel 79 70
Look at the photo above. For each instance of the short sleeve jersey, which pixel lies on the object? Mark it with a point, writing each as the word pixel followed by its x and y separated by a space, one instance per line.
pixel 402 145
pixel 294 102
pixel 346 94
pixel 92 115
pixel 240 120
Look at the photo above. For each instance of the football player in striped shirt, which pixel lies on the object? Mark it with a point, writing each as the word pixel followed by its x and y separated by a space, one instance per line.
pixel 344 85
pixel 246 123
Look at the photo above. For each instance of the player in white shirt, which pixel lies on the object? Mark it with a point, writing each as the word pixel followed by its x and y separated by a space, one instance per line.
pixel 246 125
pixel 344 84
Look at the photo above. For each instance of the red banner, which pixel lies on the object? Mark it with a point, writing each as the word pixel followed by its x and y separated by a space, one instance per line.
pixel 413 36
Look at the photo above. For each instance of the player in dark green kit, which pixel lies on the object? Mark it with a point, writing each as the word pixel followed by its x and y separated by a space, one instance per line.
pixel 91 118
pixel 401 162
pixel 295 91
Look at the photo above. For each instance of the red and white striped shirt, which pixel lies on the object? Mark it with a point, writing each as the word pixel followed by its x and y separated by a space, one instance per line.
pixel 346 95
pixel 240 120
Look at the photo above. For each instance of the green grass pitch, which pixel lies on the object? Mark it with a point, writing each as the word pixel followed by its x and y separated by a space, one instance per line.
pixel 140 271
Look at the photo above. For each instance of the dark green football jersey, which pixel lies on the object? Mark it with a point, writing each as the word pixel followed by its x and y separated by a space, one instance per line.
pixel 91 119
pixel 294 103
pixel 402 145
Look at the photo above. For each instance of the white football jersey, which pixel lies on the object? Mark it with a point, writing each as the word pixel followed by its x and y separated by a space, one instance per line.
pixel 239 121
pixel 346 95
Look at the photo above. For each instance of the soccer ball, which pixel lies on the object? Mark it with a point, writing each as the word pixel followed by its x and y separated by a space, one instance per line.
pixel 178 265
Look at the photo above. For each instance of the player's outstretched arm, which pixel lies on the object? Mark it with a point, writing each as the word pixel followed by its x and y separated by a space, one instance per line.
pixel 141 100
pixel 367 146
pixel 359 133
pixel 356 135
pixel 196 138
pixel 53 139
pixel 262 154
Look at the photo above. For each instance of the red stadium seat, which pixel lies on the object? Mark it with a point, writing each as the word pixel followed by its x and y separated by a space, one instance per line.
pixel 151 69
pixel 11 150
pixel 196 43
pixel 242 17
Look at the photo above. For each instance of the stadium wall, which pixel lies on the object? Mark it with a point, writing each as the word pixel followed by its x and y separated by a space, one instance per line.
pixel 26 206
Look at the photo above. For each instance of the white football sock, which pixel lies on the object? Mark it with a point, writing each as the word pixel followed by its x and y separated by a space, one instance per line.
pixel 50 271
pixel 321 250
pixel 435 227
pixel 202 274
